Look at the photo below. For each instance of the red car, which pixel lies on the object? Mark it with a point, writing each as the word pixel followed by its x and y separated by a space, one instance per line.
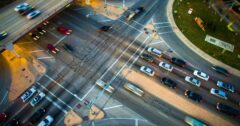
pixel 52 48
pixel 64 30
pixel 3 117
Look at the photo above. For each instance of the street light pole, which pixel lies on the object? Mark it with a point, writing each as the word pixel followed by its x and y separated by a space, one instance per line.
pixel 123 3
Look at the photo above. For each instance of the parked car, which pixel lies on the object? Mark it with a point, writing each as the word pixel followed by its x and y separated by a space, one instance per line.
pixel 169 82
pixel 227 109
pixel 52 48
pixel 13 122
pixel 226 86
pixel 194 122
pixel 166 66
pixel 34 36
pixel 219 93
pixel 3 35
pixel 37 99
pixel 68 47
pixel 46 121
pixel 193 96
pixel 64 30
pixel 154 51
pixel 21 7
pixel 105 28
pixel 193 81
pixel 33 14
pixel 29 93
pixel 3 117
pixel 201 75
pixel 134 89
pixel 220 70
pixel 37 115
pixel 178 62
pixel 147 70
pixel 147 57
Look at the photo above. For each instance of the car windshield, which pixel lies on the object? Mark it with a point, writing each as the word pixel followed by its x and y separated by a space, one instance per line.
pixel 194 80
pixel 148 70
pixel 216 91
pixel 46 121
pixel 155 51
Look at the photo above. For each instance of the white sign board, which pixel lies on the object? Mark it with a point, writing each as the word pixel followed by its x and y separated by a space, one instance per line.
pixel 219 43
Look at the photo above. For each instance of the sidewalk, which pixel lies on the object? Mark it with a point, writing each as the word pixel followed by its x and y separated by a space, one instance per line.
pixel 192 46
pixel 174 99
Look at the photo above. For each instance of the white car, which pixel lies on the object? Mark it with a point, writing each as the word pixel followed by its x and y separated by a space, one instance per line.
pixel 28 94
pixel 147 70
pixel 46 121
pixel 193 81
pixel 37 99
pixel 21 7
pixel 166 66
pixel 154 51
pixel 201 75
pixel 105 86
pixel 33 14
pixel 134 89
pixel 219 93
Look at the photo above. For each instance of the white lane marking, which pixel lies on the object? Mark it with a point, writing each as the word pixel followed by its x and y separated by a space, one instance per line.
pixel 163 114
pixel 21 43
pixel 116 61
pixel 41 50
pixel 129 25
pixel 59 40
pixel 54 95
pixel 93 123
pixel 164 26
pixel 156 42
pixel 104 20
pixel 4 97
pixel 53 34
pixel 161 23
pixel 46 57
pixel 75 95
pixel 116 106
pixel 136 122
pixel 125 119
pixel 55 104
pixel 165 32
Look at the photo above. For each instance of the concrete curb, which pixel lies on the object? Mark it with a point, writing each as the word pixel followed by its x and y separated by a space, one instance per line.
pixel 193 47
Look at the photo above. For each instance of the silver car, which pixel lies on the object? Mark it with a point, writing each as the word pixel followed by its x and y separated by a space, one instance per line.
pixel 29 93
pixel 37 99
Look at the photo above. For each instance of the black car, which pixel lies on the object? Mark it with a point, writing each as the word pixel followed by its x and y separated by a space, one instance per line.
pixel 178 61
pixel 194 96
pixel 27 11
pixel 105 28
pixel 169 82
pixel 3 35
pixel 147 57
pixel 68 47
pixel 220 70
pixel 227 109
pixel 14 122
pixel 37 115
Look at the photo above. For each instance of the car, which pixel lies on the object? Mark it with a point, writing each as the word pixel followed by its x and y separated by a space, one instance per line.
pixel 37 99
pixel 46 121
pixel 194 122
pixel 178 62
pixel 68 47
pixel 147 57
pixel 64 30
pixel 41 31
pixel 226 86
pixel 105 28
pixel 3 35
pixel 154 51
pixel 147 70
pixel 201 75
pixel 134 89
pixel 220 70
pixel 105 86
pixel 169 82
pixel 52 48
pixel 193 96
pixel 219 93
pixel 3 117
pixel 29 93
pixel 37 115
pixel 33 14
pixel 13 122
pixel 227 109
pixel 26 11
pixel 45 23
pixel 21 7
pixel 193 81
pixel 166 66
pixel 134 13
pixel 34 36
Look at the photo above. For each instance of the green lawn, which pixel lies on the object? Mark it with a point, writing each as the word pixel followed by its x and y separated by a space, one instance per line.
pixel 190 29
